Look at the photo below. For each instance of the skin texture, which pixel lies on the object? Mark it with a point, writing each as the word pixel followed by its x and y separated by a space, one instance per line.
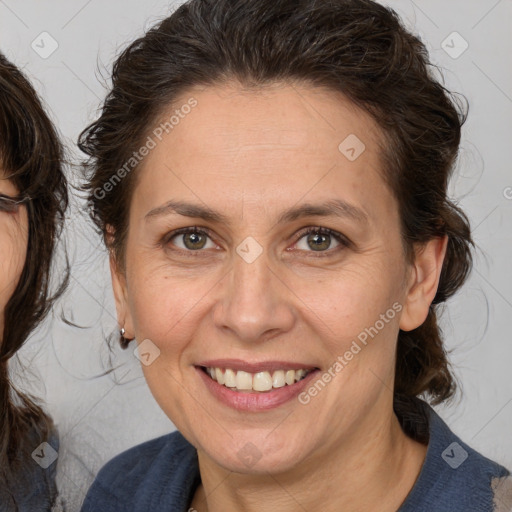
pixel 250 155
pixel 13 247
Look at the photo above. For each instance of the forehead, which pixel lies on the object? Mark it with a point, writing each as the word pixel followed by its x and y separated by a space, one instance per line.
pixel 283 140
pixel 287 116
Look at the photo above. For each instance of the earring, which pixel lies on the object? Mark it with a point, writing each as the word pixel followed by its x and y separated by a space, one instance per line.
pixel 124 342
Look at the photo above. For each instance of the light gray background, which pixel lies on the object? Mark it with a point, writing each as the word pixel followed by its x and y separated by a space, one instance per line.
pixel 96 415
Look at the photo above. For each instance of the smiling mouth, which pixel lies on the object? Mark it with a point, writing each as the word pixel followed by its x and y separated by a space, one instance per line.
pixel 255 382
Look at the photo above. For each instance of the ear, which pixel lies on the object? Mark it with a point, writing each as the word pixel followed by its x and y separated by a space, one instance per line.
pixel 120 289
pixel 423 282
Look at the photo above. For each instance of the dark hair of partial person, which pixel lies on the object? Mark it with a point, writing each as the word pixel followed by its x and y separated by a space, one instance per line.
pixel 355 47
pixel 31 156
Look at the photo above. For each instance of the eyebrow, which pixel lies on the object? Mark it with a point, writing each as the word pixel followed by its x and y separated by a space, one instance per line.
pixel 331 208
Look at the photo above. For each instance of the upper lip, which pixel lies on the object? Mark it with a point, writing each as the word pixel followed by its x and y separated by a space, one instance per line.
pixel 255 367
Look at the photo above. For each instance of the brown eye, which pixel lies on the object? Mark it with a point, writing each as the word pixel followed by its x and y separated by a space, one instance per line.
pixel 320 240
pixel 189 239
pixel 194 241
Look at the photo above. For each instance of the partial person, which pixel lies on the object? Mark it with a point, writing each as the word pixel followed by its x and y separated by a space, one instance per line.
pixel 33 201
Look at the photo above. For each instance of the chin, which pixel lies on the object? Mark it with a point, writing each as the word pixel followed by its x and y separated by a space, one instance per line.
pixel 252 456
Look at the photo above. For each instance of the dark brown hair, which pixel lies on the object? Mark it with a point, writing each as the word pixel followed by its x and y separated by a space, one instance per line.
pixel 31 157
pixel 356 47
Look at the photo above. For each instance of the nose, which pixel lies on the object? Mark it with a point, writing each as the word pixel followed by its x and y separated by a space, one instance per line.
pixel 255 301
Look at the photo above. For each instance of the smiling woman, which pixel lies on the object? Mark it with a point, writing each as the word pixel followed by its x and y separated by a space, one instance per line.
pixel 279 256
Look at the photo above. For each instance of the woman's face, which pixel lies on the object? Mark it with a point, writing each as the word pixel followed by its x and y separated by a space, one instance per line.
pixel 13 246
pixel 252 291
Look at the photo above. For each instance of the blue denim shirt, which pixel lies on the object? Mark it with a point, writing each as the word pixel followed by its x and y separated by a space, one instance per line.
pixel 163 474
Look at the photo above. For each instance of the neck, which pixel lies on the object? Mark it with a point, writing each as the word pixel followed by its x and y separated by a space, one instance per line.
pixel 372 469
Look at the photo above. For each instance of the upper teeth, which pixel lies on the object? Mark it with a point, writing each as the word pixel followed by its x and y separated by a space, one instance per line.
pixel 261 381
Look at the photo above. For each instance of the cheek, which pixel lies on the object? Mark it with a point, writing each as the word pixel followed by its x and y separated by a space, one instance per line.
pixel 347 301
pixel 164 307
pixel 13 247
pixel 355 317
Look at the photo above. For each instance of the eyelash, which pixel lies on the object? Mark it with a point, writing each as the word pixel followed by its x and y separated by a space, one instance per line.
pixel 344 242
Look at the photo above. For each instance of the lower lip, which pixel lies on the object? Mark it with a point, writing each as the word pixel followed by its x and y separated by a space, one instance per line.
pixel 257 401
